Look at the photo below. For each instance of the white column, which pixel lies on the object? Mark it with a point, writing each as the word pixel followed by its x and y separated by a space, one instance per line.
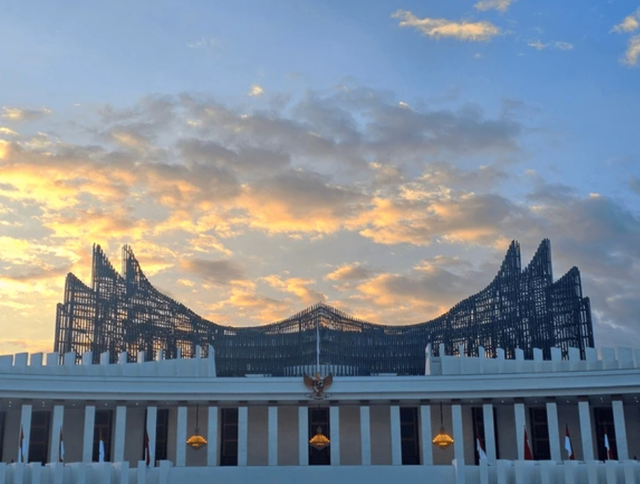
pixel 585 430
pixel 181 437
pixel 120 433
pixel 243 435
pixel 303 436
pixel 152 418
pixel 554 430
pixel 25 425
pixel 489 432
pixel 396 445
pixel 365 435
pixel 273 436
pixel 87 439
pixel 621 431
pixel 334 424
pixel 520 421
pixel 425 438
pixel 458 435
pixel 56 427
pixel 212 436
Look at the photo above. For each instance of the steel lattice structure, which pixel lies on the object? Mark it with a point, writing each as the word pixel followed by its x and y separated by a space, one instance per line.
pixel 519 309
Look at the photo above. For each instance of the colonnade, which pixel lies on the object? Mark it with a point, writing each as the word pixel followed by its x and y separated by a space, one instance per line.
pixel 426 432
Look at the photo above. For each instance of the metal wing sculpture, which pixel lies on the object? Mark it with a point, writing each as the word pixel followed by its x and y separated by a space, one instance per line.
pixel 318 385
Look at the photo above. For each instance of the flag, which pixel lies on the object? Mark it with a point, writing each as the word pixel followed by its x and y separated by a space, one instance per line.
pixel 481 452
pixel 147 455
pixel 567 444
pixel 101 449
pixel 527 450
pixel 22 447
pixel 61 447
pixel 607 446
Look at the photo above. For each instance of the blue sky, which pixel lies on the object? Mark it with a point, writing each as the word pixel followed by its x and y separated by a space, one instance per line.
pixel 378 155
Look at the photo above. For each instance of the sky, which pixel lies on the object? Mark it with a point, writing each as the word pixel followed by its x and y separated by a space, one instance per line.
pixel 260 157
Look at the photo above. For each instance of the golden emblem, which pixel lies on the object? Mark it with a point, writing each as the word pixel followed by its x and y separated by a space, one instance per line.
pixel 318 385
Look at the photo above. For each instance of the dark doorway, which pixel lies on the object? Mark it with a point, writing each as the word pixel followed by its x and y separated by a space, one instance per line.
pixel 319 417
pixel 409 436
pixel 102 431
pixel 229 437
pixel 39 438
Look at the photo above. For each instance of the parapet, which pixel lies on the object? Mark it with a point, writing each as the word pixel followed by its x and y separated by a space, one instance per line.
pixel 595 359
pixel 69 364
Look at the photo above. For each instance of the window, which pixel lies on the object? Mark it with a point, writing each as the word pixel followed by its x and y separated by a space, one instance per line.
pixel 319 417
pixel 3 417
pixel 603 417
pixel 409 441
pixel 477 415
pixel 162 430
pixel 539 433
pixel 39 438
pixel 102 431
pixel 229 437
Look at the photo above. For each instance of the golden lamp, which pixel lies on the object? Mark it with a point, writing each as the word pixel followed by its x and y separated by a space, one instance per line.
pixel 196 441
pixel 319 441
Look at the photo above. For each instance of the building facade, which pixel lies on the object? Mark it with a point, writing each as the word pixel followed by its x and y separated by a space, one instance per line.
pixel 130 421
pixel 519 309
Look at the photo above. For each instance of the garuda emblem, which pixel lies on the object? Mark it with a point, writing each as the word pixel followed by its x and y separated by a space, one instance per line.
pixel 318 385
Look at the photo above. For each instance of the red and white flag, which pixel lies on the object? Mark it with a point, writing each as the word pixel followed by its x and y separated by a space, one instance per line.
pixel 147 454
pixel 607 446
pixel 567 445
pixel 527 450
pixel 481 453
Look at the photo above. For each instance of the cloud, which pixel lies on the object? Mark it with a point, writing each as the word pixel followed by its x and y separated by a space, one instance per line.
pixel 24 114
pixel 344 170
pixel 4 149
pixel 204 43
pixel 558 45
pixel 634 184
pixel 13 346
pixel 298 286
pixel 633 51
pixel 256 90
pixel 7 131
pixel 350 272
pixel 430 288
pixel 223 272
pixel 500 5
pixel 36 274
pixel 438 28
pixel 629 24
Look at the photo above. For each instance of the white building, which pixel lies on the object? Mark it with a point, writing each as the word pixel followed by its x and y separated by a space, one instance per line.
pixel 380 427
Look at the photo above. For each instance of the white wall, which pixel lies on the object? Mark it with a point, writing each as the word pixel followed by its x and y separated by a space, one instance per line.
pixel 288 436
pixel 11 435
pixel 350 443
pixel 196 457
pixel 134 437
pixel 632 421
pixel 73 433
pixel 441 456
pixel 467 433
pixel 505 422
pixel 258 454
pixel 380 435
pixel 171 434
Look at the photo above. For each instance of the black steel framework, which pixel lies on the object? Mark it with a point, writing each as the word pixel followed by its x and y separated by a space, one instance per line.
pixel 519 309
